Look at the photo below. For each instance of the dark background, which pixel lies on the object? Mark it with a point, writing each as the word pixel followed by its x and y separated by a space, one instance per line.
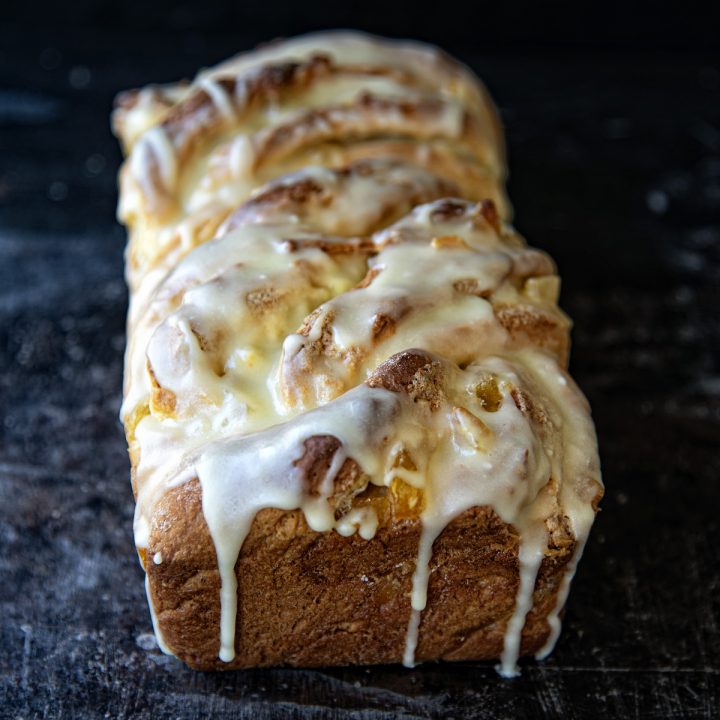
pixel 612 115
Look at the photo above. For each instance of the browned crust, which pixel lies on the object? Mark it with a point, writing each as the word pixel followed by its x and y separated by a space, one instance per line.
pixel 488 210
pixel 438 156
pixel 483 214
pixel 414 373
pixel 370 116
pixel 308 199
pixel 302 193
pixel 197 115
pixel 538 327
pixel 162 400
pixel 315 463
pixel 312 599
pixel 362 246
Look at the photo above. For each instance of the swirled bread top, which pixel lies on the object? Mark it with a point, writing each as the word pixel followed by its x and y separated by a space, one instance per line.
pixel 197 150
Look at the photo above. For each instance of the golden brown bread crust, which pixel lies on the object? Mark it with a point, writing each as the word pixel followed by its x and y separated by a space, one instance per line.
pixel 311 599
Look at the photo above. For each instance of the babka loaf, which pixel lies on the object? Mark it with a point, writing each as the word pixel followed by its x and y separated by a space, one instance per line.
pixel 352 435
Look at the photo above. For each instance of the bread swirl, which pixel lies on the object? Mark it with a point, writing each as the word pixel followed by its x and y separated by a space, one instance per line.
pixel 352 436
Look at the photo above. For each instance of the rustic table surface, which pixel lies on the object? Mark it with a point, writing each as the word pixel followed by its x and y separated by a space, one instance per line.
pixel 615 163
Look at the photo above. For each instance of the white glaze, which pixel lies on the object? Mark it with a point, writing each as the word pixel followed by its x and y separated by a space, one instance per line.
pixel 532 550
pixel 218 95
pixel 563 592
pixel 155 144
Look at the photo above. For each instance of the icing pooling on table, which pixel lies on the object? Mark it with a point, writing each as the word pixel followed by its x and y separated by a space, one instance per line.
pixel 244 347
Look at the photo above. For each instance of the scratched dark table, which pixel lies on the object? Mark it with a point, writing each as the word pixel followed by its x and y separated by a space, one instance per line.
pixel 615 170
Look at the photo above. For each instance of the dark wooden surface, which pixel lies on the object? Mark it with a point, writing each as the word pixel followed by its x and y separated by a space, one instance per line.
pixel 615 159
